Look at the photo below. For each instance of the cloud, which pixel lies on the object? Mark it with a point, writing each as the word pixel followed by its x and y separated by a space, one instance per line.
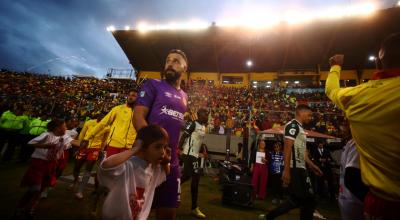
pixel 34 32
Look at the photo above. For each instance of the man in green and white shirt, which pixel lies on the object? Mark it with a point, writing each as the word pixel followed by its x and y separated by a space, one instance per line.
pixel 294 173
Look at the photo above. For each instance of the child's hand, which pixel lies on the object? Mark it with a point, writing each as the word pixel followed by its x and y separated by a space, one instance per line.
pixel 167 156
pixel 137 145
pixel 264 161
pixel 84 144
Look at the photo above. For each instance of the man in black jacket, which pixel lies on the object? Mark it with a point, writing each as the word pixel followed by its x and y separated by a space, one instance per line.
pixel 323 159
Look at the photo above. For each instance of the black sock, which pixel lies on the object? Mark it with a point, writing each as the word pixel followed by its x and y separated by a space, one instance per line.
pixel 194 188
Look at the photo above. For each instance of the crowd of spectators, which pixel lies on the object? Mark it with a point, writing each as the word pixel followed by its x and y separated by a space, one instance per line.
pixel 39 95
pixel 230 108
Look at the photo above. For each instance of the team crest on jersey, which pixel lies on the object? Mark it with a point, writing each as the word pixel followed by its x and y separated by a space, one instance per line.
pixel 292 131
pixel 142 93
pixel 167 94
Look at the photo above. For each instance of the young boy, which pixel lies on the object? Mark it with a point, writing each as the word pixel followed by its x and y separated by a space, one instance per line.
pixel 89 154
pixel 132 176
pixel 276 168
pixel 41 173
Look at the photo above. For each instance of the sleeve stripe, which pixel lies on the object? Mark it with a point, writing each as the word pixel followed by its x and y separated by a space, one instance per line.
pixel 291 138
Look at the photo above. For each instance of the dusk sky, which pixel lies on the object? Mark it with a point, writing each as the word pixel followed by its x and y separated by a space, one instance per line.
pixel 69 36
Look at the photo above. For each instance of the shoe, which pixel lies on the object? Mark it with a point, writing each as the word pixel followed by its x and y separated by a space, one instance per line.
pixel 317 215
pixel 73 186
pixel 44 194
pixel 79 195
pixel 275 201
pixel 196 212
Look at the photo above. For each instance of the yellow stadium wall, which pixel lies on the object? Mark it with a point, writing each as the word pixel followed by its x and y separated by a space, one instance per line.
pixel 204 76
pixel 367 74
pixel 149 75
pixel 344 75
pixel 263 76
pixel 155 75
pixel 245 79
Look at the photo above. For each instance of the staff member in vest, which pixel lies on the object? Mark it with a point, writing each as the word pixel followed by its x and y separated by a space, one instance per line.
pixel 192 139
pixel 26 150
pixel 12 125
pixel 294 173
pixel 37 127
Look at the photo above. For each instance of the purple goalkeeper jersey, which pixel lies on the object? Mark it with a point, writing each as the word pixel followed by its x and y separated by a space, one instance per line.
pixel 167 105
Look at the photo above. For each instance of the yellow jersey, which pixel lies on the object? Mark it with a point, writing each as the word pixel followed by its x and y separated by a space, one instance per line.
pixel 98 139
pixel 373 111
pixel 122 133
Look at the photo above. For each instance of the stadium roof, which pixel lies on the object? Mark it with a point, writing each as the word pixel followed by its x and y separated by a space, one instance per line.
pixel 284 47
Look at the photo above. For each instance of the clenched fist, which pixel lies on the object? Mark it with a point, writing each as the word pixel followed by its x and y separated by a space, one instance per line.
pixel 336 60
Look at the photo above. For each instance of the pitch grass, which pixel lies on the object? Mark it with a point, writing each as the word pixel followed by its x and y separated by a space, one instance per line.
pixel 61 204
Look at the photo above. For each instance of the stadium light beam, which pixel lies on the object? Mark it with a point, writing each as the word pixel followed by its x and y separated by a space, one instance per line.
pixel 262 19
pixel 192 25
pixel 111 28
pixel 296 82
pixel 127 28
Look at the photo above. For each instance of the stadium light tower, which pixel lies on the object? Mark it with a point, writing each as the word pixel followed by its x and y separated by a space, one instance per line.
pixel 249 63
pixel 372 58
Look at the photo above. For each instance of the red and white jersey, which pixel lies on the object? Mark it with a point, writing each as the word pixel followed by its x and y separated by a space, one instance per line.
pixel 62 143
pixel 131 189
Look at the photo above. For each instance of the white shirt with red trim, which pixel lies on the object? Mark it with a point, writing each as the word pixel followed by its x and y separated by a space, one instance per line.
pixel 131 189
pixel 61 142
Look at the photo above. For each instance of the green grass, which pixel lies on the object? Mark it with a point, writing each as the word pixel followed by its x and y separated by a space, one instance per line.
pixel 61 203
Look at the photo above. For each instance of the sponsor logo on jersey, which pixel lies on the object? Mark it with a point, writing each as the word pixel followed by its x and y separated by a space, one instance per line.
pixel 174 114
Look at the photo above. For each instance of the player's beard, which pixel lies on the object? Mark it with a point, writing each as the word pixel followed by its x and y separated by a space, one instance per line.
pixel 171 76
pixel 131 102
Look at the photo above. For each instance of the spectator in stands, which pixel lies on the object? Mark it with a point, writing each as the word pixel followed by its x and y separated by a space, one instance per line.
pixel 266 124
pixel 373 112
